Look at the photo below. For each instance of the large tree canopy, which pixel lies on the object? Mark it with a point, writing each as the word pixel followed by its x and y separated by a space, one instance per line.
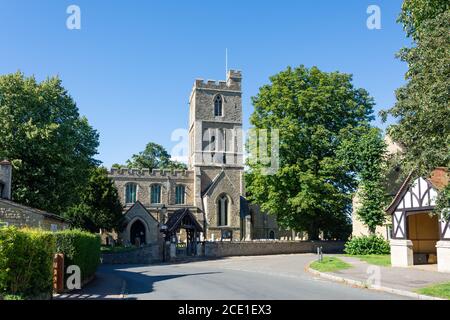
pixel 365 154
pixel 52 148
pixel 100 207
pixel 422 108
pixel 154 156
pixel 315 113
pixel 415 13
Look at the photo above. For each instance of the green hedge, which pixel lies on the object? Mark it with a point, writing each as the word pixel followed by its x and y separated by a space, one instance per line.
pixel 80 248
pixel 367 245
pixel 26 258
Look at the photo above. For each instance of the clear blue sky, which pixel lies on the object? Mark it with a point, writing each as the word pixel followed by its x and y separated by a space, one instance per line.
pixel 132 65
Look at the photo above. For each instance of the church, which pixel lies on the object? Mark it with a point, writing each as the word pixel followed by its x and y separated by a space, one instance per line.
pixel 207 201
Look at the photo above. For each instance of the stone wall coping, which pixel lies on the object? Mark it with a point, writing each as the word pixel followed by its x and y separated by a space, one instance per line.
pixel 400 242
pixel 271 241
pixel 443 244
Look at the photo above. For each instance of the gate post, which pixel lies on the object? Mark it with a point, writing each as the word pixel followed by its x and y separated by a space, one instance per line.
pixel 199 251
pixel 401 253
pixel 58 273
pixel 173 250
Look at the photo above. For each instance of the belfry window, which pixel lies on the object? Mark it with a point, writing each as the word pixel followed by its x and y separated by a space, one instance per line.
pixel 130 193
pixel 222 211
pixel 155 193
pixel 218 106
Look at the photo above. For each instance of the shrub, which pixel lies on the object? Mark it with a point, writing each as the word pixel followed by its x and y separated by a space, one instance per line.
pixel 80 248
pixel 26 258
pixel 367 245
pixel 12 297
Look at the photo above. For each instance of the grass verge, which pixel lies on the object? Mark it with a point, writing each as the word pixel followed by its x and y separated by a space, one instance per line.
pixel 441 290
pixel 330 264
pixel 383 260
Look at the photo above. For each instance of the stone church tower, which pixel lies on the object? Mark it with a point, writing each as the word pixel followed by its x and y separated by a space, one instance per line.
pixel 216 153
pixel 211 189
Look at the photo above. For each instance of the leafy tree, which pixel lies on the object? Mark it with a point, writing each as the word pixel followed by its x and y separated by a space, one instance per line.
pixel 422 107
pixel 176 165
pixel 415 13
pixel 443 203
pixel 154 156
pixel 315 112
pixel 52 148
pixel 100 207
pixel 365 154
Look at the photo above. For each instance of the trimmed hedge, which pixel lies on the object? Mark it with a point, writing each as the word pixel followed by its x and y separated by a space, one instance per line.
pixel 80 248
pixel 367 245
pixel 26 258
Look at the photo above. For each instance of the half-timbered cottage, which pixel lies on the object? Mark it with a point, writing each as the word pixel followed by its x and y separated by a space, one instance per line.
pixel 419 235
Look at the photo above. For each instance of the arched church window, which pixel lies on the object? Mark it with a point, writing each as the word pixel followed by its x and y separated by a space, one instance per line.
pixel 222 211
pixel 272 235
pixel 130 193
pixel 213 143
pixel 218 106
pixel 155 193
pixel 180 194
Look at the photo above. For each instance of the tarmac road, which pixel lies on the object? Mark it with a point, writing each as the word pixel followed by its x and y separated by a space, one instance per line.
pixel 237 278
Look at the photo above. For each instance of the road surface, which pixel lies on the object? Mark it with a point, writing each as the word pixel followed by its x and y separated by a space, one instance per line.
pixel 237 278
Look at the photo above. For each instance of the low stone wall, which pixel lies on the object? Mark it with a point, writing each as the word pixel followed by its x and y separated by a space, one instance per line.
pixel 153 253
pixel 145 255
pixel 254 248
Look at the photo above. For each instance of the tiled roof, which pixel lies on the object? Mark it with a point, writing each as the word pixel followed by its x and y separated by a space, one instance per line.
pixel 33 210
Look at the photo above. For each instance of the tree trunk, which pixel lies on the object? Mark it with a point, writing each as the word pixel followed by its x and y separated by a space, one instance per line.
pixel 313 232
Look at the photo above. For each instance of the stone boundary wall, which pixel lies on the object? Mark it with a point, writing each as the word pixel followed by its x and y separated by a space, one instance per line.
pixel 254 248
pixel 153 253
pixel 145 255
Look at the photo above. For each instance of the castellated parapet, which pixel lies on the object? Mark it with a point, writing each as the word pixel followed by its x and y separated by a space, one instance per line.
pixel 147 173
pixel 233 83
pixel 146 178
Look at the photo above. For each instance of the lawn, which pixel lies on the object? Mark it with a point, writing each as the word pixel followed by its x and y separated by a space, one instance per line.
pixel 376 259
pixel 439 290
pixel 330 264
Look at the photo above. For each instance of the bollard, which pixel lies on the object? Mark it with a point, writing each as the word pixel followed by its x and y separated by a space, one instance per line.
pixel 319 254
